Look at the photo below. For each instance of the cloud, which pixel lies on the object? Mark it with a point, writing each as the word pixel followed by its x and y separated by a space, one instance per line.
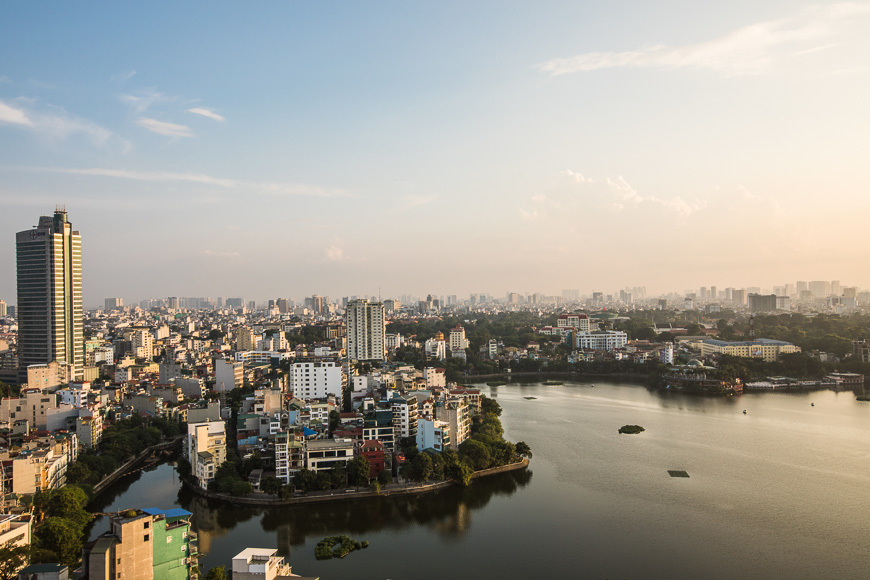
pixel 159 176
pixel 334 253
pixel 13 116
pixel 251 187
pixel 164 128
pixel 747 50
pixel 144 99
pixel 573 192
pixel 125 76
pixel 55 124
pixel 206 113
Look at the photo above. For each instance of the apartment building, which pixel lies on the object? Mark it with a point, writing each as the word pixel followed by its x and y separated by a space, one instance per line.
pixel 206 449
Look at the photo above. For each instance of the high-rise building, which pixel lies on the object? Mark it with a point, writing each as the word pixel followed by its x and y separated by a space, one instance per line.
pixel 114 304
pixel 50 316
pixel 366 328
pixel 762 302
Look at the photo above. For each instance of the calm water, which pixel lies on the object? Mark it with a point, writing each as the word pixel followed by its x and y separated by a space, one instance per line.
pixel 780 492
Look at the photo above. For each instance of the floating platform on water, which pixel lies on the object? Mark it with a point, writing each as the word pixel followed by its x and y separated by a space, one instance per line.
pixel 677 473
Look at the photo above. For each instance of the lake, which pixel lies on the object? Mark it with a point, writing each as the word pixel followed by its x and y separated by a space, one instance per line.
pixel 780 491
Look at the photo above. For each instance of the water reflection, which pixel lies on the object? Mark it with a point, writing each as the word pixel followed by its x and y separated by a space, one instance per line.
pixel 447 512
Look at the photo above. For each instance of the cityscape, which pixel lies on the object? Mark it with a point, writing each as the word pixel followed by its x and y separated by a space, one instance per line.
pixel 407 291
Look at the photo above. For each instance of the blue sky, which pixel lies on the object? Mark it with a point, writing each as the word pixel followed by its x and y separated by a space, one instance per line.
pixel 287 148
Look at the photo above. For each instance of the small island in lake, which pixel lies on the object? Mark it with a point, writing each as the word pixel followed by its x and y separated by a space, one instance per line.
pixel 337 547
pixel 631 429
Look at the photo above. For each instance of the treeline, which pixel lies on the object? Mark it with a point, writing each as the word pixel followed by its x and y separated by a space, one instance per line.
pixel 121 441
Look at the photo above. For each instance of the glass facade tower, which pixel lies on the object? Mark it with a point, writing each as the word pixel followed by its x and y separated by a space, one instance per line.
pixel 50 316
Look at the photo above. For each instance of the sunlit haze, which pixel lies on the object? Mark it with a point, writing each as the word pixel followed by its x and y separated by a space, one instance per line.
pixel 347 148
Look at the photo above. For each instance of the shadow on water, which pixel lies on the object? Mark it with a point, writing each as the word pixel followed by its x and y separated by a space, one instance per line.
pixel 447 511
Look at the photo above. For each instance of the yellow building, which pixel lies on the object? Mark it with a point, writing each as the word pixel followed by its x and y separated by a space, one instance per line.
pixel 763 348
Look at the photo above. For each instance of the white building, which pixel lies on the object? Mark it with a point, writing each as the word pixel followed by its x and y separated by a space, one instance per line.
pixel 579 322
pixel 206 449
pixel 315 379
pixel 404 416
pixel 228 375
pixel 456 413
pixel 433 434
pixel 667 354
pixel 436 348
pixel 457 339
pixel 324 454
pixel 259 564
pixel 366 330
pixel 142 342
pixel 435 378
pixel 602 340
pixel 395 341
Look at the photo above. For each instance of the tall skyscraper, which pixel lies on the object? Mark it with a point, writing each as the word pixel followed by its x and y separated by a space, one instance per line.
pixel 366 328
pixel 49 259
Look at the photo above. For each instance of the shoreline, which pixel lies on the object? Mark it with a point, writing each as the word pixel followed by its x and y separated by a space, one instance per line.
pixel 343 495
pixel 639 377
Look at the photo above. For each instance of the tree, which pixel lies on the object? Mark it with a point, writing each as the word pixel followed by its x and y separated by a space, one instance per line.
pixel 78 472
pixel 305 480
pixel 271 485
pixel 61 537
pixel 358 471
pixel 385 477
pixel 217 573
pixel 523 449
pixel 334 420
pixel 421 467
pixel 12 559
pixel 476 453
pixel 489 406
pixel 338 475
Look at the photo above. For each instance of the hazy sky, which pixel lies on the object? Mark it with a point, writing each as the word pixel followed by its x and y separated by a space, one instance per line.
pixel 288 148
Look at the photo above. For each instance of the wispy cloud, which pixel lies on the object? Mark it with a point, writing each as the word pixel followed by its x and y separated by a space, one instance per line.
pixel 125 76
pixel 52 123
pixel 206 113
pixel 141 101
pixel 164 128
pixel 747 50
pixel 263 188
pixel 155 176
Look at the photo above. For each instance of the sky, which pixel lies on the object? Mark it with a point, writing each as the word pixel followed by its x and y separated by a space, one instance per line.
pixel 283 149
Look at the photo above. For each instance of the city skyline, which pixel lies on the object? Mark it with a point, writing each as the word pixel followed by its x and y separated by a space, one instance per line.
pixel 358 150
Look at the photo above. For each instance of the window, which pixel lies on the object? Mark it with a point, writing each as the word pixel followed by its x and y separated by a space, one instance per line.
pixel 147 524
pixel 147 537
